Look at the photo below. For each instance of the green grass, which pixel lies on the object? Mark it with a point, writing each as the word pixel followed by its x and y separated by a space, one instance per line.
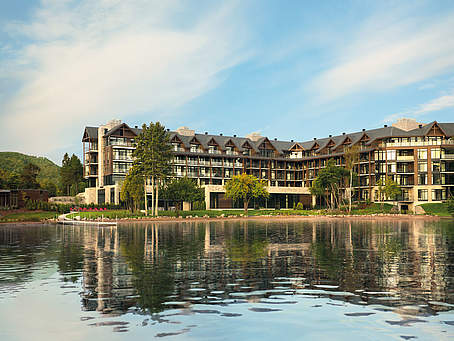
pixel 373 209
pixel 119 214
pixel 438 209
pixel 27 216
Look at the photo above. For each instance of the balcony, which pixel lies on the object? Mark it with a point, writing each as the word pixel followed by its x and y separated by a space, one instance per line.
pixel 405 158
pixel 447 157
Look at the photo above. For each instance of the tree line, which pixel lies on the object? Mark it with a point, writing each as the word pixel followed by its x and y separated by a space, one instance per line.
pixel 68 182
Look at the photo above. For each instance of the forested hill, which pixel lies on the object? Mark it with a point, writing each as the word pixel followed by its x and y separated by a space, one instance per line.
pixel 15 162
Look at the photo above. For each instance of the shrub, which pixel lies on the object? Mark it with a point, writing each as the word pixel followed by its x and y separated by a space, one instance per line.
pixel 299 206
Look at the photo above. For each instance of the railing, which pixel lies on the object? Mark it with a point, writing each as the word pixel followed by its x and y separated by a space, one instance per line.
pixel 405 158
pixel 418 144
pixel 447 157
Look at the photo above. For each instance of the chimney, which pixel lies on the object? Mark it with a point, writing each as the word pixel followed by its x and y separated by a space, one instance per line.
pixel 234 135
pixel 220 134
pixel 315 138
pixel 291 140
pixel 364 129
pixel 420 126
pixel 275 139
pixel 386 126
pixel 206 133
pixel 343 133
pixel 138 127
pixel 330 135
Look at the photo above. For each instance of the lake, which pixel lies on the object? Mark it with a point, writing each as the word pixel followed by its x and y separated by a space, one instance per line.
pixel 229 280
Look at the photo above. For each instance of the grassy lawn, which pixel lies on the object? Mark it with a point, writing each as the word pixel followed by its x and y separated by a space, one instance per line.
pixel 119 214
pixel 373 209
pixel 438 209
pixel 26 216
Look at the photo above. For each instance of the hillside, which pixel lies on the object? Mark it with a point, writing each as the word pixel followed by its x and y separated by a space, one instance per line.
pixel 14 162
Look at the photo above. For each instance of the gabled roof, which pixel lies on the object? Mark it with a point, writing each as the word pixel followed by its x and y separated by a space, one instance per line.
pixel 90 134
pixel 118 127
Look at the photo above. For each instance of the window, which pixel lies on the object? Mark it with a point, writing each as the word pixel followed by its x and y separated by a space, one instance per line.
pixel 422 154
pixel 435 153
pixel 391 154
pixel 422 166
pixel 435 166
pixel 422 179
pixel 422 194
pixel 438 194
pixel 391 168
pixel 436 179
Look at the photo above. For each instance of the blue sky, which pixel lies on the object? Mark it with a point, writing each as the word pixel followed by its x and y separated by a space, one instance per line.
pixel 288 69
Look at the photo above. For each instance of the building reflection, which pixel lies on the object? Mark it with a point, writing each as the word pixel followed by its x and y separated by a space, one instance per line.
pixel 147 267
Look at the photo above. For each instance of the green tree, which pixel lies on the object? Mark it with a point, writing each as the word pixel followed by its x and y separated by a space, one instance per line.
pixel 28 176
pixel 387 189
pixel 132 190
pixel 182 189
pixel 65 174
pixel 153 159
pixel 245 187
pixel 329 182
pixel 76 173
pixel 351 156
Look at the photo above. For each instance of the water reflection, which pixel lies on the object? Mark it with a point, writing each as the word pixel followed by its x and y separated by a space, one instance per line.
pixel 208 267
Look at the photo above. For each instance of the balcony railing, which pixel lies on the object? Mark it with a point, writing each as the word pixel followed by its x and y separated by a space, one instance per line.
pixel 447 157
pixel 405 158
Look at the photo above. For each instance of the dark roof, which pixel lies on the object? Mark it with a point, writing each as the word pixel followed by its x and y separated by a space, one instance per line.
pixel 90 133
pixel 283 146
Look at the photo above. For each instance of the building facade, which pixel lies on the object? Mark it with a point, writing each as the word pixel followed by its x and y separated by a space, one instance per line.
pixel 419 157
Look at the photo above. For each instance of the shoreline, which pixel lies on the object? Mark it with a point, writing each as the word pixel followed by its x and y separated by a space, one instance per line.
pixel 395 217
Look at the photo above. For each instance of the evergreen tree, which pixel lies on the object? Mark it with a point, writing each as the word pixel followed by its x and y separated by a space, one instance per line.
pixel 65 174
pixel 153 158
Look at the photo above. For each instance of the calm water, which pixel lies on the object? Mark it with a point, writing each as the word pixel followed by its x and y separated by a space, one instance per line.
pixel 229 281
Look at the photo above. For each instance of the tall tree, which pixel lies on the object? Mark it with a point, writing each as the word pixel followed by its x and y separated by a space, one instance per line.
pixel 65 174
pixel 351 156
pixel 153 159
pixel 28 176
pixel 76 172
pixel 182 189
pixel 245 187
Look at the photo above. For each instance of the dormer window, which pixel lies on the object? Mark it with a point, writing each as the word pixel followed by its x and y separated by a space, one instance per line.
pixel 194 148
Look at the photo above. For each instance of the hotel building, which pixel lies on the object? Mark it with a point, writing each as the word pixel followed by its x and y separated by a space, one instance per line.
pixel 419 157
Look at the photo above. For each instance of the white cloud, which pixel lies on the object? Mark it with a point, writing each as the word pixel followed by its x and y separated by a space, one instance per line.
pixel 101 59
pixel 440 103
pixel 388 52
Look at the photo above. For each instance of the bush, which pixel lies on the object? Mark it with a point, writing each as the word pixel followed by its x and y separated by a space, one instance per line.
pixel 299 206
pixel 199 205
pixel 450 205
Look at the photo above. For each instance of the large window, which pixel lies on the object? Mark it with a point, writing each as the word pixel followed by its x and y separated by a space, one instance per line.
pixel 422 194
pixel 438 194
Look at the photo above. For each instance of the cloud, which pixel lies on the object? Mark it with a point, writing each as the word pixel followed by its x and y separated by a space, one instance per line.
pixel 93 60
pixel 388 52
pixel 440 103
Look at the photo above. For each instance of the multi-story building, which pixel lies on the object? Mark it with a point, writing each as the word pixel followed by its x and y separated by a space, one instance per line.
pixel 419 157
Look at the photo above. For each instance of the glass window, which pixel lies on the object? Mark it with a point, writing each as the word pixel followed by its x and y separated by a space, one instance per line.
pixel 422 179
pixel 391 154
pixel 435 153
pixel 422 194
pixel 422 166
pixel 391 167
pixel 435 166
pixel 422 154
pixel 436 179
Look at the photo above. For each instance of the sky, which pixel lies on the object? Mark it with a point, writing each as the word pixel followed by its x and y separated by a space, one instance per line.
pixel 286 69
